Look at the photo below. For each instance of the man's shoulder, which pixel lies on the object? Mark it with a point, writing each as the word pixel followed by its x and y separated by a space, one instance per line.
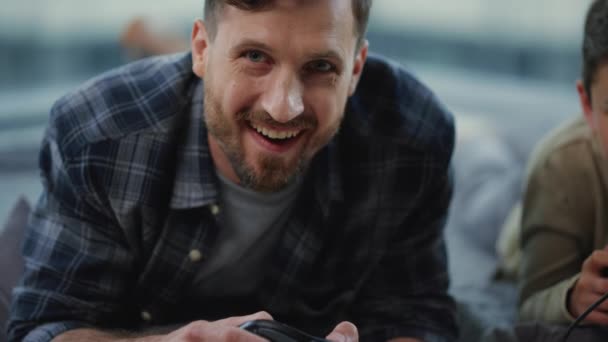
pixel 392 104
pixel 569 142
pixel 568 158
pixel 143 96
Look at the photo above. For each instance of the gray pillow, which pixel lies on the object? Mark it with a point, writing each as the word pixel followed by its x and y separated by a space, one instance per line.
pixel 11 261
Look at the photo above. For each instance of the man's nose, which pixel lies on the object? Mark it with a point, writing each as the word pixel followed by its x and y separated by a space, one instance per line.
pixel 283 99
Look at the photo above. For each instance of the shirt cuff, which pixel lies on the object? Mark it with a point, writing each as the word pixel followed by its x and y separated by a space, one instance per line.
pixel 565 295
pixel 47 332
pixel 549 305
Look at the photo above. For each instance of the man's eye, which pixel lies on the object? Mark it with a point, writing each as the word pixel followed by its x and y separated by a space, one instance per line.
pixel 321 66
pixel 255 56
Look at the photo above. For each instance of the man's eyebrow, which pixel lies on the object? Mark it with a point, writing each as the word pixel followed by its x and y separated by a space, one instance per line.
pixel 328 54
pixel 252 44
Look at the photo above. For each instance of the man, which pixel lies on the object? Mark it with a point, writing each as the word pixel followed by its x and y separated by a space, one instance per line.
pixel 564 216
pixel 170 200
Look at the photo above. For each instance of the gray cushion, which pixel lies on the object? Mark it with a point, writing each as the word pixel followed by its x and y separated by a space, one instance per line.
pixel 487 177
pixel 11 261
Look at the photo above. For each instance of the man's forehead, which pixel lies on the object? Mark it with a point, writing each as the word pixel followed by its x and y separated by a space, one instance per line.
pixel 320 25
pixel 325 14
pixel 293 4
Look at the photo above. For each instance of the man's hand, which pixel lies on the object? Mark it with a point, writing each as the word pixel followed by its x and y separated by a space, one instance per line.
pixel 344 332
pixel 347 332
pixel 590 287
pixel 225 330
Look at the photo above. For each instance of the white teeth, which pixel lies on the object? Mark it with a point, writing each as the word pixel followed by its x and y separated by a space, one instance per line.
pixel 272 134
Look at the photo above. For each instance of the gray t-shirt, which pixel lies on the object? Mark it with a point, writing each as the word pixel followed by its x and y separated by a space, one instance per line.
pixel 250 224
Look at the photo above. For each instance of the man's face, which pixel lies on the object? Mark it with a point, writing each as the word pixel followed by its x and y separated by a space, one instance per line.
pixel 276 84
pixel 596 107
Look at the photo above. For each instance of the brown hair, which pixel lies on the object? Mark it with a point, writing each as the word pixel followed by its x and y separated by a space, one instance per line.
pixel 361 9
pixel 595 42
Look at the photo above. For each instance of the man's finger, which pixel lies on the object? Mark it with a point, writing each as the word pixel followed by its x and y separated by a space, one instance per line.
pixel 597 317
pixel 597 261
pixel 344 332
pixel 599 286
pixel 232 334
pixel 236 321
pixel 592 298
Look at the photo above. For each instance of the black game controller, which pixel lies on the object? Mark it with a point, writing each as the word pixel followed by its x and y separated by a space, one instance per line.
pixel 278 332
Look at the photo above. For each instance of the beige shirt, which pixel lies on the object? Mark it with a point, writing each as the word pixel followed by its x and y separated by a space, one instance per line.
pixel 564 218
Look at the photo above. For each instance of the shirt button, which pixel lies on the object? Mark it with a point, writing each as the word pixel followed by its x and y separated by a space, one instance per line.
pixel 195 255
pixel 146 316
pixel 215 209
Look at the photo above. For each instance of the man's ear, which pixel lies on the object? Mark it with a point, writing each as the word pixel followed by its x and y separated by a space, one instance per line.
pixel 358 67
pixel 199 45
pixel 585 101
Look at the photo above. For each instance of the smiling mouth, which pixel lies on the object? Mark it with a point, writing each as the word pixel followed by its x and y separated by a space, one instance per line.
pixel 276 136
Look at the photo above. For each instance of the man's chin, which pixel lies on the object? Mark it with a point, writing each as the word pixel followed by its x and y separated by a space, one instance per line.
pixel 271 181
pixel 271 175
pixel 268 187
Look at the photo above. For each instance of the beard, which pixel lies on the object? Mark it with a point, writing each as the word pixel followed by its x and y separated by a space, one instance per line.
pixel 272 173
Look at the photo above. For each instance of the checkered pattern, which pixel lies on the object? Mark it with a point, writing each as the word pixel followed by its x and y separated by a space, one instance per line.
pixel 129 185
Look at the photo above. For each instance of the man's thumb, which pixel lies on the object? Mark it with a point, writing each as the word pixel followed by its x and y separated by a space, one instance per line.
pixel 344 332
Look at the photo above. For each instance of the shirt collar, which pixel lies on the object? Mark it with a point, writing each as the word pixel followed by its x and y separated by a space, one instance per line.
pixel 334 171
pixel 194 184
pixel 326 172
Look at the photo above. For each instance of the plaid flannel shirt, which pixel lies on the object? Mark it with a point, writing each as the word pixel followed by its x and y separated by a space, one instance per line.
pixel 126 216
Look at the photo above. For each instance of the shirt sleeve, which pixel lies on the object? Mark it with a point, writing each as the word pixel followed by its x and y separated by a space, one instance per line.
pixel 406 295
pixel 70 244
pixel 549 305
pixel 557 233
pixel 48 331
